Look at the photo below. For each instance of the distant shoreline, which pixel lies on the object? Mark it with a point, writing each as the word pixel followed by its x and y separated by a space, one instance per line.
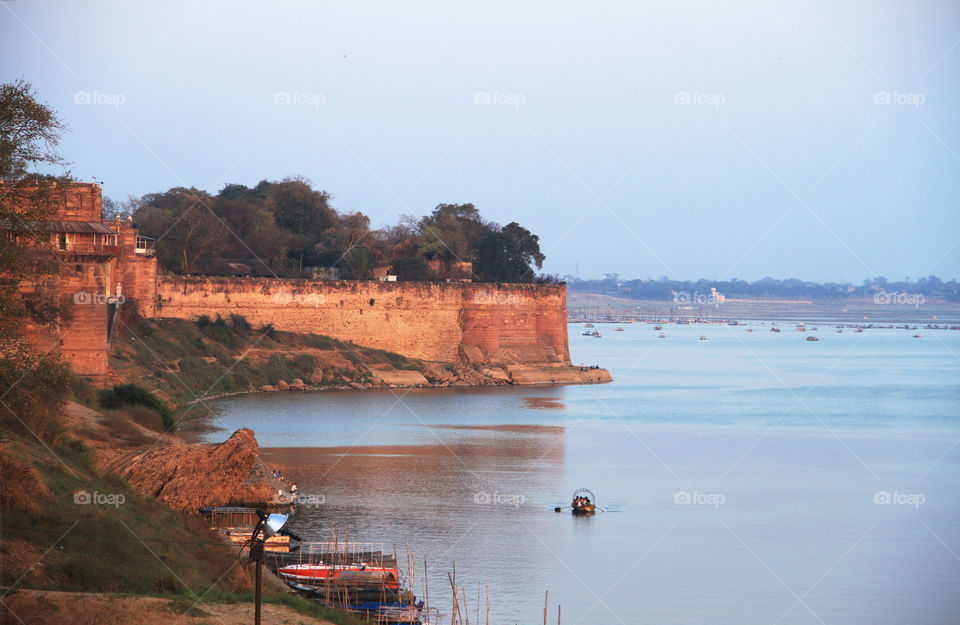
pixel 583 306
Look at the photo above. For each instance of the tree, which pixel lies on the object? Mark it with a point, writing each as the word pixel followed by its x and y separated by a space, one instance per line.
pixel 507 255
pixel 29 134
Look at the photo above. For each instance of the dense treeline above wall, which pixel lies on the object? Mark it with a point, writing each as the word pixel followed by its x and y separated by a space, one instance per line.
pixel 289 229
pixel 770 288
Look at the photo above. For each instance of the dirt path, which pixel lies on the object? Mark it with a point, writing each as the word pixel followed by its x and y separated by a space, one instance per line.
pixel 38 607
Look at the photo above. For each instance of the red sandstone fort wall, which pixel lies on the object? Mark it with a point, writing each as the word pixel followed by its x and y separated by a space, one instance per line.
pixel 434 321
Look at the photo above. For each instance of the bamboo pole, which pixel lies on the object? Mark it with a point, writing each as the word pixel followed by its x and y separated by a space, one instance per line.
pixel 487 603
pixel 466 608
pixel 456 601
pixel 426 585
pixel 558 614
pixel 546 599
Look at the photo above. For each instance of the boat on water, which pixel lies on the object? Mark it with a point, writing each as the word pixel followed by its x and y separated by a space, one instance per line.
pixel 657 328
pixel 812 338
pixel 588 325
pixel 356 575
pixel 662 336
pixel 774 329
pixel 618 330
pixel 583 502
pixel 595 333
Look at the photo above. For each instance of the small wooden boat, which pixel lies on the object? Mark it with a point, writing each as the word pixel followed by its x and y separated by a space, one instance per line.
pixel 812 338
pixel 583 502
pixel 774 329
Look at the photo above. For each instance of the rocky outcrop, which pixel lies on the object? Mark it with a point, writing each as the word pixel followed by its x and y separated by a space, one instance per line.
pixel 186 477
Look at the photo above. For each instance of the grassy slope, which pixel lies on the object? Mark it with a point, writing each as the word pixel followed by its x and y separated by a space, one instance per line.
pixel 136 547
pixel 140 547
pixel 184 360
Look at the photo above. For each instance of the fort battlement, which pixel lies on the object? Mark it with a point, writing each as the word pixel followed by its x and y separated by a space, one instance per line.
pixel 106 265
pixel 448 322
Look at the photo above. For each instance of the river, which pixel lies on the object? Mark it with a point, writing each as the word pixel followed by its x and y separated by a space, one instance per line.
pixel 751 477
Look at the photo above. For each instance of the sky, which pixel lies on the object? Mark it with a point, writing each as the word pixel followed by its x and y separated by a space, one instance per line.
pixel 818 140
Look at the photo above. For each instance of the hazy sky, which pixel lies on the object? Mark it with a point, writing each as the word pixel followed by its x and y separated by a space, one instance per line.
pixel 818 140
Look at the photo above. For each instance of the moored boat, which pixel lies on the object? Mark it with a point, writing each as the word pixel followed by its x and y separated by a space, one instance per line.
pixel 356 575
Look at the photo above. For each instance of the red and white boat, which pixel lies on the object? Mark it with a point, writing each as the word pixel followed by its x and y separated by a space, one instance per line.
pixel 356 575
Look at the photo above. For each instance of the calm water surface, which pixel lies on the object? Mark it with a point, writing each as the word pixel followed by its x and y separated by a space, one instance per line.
pixel 739 477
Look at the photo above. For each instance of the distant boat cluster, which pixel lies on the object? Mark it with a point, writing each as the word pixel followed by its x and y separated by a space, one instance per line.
pixel 799 326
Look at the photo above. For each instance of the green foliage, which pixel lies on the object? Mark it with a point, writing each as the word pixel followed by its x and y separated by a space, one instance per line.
pixel 508 255
pixel 413 269
pixel 283 228
pixel 36 387
pixel 239 324
pixel 29 133
pixel 136 395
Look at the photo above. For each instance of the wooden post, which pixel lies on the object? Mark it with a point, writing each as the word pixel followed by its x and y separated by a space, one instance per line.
pixel 546 599
pixel 466 608
pixel 426 585
pixel 558 614
pixel 456 601
pixel 488 604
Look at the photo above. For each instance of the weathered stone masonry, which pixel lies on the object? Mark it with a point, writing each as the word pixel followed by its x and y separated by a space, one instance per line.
pixel 450 322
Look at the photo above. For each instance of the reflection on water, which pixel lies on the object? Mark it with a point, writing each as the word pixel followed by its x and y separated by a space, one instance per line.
pixel 797 440
pixel 543 403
